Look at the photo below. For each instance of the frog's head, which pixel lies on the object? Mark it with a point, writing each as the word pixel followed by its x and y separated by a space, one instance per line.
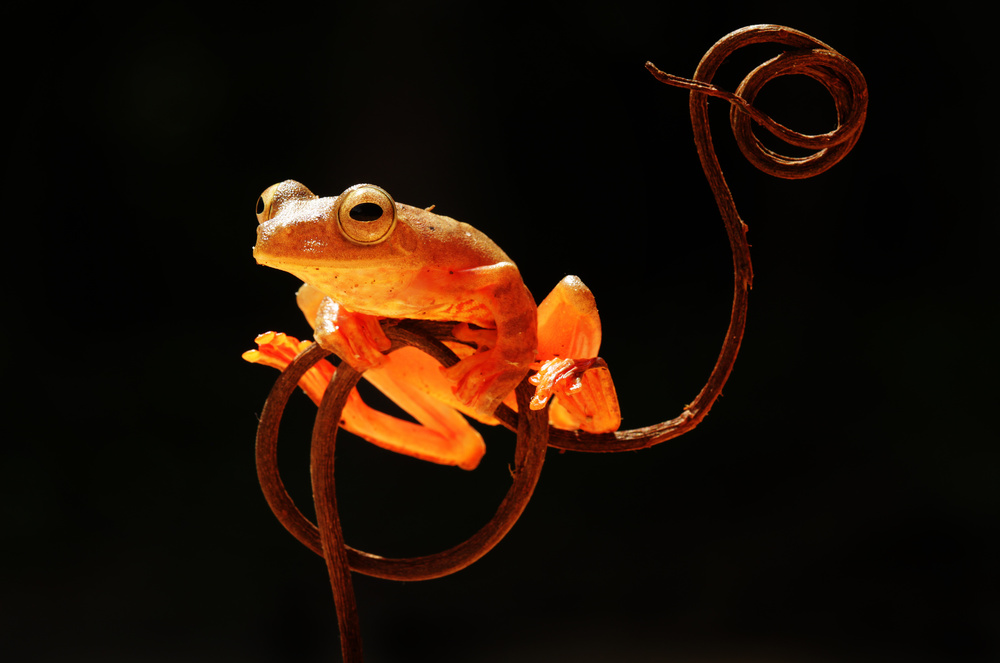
pixel 299 232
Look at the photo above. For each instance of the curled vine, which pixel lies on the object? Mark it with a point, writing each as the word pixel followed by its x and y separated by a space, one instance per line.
pixel 802 55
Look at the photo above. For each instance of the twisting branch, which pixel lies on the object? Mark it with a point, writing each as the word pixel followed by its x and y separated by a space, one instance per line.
pixel 325 537
pixel 324 440
pixel 846 85
pixel 529 455
pixel 806 56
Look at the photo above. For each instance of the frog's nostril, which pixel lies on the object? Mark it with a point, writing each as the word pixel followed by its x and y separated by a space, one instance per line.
pixel 366 212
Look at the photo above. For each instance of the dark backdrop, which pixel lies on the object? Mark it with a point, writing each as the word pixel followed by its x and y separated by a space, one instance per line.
pixel 838 504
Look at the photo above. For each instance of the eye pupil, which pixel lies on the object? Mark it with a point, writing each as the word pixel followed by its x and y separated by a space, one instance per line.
pixel 260 205
pixel 366 212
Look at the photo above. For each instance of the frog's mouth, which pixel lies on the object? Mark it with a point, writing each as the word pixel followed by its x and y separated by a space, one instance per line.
pixel 307 265
pixel 265 257
pixel 298 267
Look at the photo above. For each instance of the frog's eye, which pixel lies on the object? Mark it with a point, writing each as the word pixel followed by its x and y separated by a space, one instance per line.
pixel 366 214
pixel 264 204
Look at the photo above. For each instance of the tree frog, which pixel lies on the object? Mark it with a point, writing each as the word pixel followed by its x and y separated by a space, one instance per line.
pixel 364 258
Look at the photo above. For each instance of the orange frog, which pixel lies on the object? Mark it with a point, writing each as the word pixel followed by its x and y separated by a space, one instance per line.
pixel 364 257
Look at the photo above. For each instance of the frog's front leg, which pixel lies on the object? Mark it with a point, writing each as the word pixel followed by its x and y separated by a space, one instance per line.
pixel 357 338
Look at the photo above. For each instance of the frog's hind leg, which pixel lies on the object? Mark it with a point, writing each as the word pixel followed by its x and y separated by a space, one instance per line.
pixel 410 379
pixel 569 338
pixel 445 436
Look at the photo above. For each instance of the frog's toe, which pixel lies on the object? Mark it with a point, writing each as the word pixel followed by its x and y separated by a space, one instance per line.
pixel 554 376
pixel 360 343
pixel 585 397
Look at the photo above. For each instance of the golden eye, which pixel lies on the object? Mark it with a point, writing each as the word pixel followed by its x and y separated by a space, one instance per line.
pixel 366 214
pixel 264 204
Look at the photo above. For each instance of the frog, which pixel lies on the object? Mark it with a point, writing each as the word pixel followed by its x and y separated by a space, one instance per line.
pixel 364 259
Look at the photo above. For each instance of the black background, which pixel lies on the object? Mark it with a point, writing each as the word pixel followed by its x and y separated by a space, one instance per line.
pixel 839 503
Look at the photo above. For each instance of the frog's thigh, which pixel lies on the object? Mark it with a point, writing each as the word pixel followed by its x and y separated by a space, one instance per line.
pixel 568 323
pixel 491 296
pixel 414 382
pixel 570 327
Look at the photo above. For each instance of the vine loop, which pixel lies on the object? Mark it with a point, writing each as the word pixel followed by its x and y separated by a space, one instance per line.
pixel 807 57
pixel 532 430
pixel 844 82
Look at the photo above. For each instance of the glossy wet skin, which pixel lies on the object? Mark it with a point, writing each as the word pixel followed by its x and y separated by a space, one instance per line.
pixel 363 257
pixel 389 275
pixel 374 258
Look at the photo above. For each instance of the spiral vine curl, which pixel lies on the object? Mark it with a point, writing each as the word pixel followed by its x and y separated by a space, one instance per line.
pixel 805 56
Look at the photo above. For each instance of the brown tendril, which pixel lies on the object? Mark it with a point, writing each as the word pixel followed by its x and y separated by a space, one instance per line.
pixel 807 56
pixel 326 538
pixel 846 85
pixel 529 456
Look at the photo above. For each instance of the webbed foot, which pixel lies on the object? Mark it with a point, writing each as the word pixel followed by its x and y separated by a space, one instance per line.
pixel 356 338
pixel 586 397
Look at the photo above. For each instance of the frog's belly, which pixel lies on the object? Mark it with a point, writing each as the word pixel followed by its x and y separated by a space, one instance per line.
pixel 423 309
pixel 399 297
